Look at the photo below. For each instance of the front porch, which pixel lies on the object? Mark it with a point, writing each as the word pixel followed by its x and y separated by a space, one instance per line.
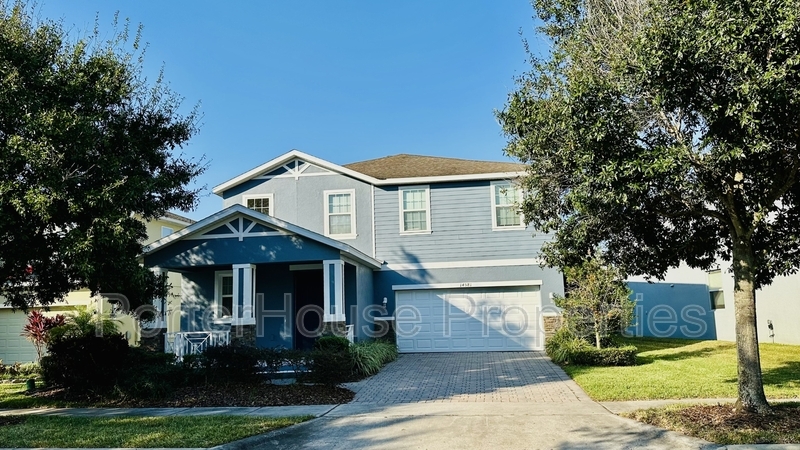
pixel 246 277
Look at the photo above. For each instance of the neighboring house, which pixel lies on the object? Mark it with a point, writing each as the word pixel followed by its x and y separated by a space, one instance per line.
pixel 15 348
pixel 692 303
pixel 303 245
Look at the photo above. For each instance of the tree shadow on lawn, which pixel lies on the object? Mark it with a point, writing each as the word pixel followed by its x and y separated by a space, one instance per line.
pixel 786 375
pixel 699 353
pixel 645 344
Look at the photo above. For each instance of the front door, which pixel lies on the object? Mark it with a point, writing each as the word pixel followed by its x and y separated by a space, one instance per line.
pixel 308 290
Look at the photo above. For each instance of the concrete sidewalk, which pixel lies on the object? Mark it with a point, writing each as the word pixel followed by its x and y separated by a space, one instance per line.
pixel 442 425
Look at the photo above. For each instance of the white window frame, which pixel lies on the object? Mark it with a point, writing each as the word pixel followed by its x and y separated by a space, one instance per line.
pixel 495 227
pixel 427 190
pixel 164 232
pixel 270 197
pixel 325 195
pixel 218 275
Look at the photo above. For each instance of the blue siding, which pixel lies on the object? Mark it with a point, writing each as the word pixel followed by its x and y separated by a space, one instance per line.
pixel 364 279
pixel 461 224
pixel 197 297
pixel 302 202
pixel 189 252
pixel 672 310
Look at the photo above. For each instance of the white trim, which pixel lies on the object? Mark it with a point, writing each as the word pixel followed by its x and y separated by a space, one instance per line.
pixel 236 235
pixel 427 190
pixel 447 178
pixel 175 221
pixel 270 197
pixel 213 220
pixel 295 176
pixel 464 264
pixel 338 285
pixel 372 210
pixel 296 267
pixel 495 227
pixel 352 213
pixel 466 285
pixel 218 275
pixel 287 157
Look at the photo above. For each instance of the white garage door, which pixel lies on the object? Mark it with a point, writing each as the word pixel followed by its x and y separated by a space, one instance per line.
pixel 13 347
pixel 469 320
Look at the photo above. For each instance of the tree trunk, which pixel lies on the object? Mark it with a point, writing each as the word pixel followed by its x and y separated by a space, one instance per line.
pixel 751 386
pixel 597 338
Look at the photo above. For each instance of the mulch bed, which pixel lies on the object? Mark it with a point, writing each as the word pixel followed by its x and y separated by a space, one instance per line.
pixel 784 418
pixel 724 425
pixel 219 395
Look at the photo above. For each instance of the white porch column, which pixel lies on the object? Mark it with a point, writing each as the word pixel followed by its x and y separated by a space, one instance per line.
pixel 159 304
pixel 333 280
pixel 244 288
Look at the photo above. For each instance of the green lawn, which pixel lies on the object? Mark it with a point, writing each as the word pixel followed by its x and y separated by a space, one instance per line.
pixel 204 431
pixel 12 395
pixel 675 368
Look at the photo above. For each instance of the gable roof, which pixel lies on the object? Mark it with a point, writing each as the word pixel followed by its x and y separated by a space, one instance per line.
pixel 427 169
pixel 215 220
pixel 412 166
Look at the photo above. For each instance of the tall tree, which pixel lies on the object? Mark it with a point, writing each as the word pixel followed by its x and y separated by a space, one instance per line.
pixel 666 131
pixel 87 149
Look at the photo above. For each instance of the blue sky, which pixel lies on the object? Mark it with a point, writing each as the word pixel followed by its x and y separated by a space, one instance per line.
pixel 345 81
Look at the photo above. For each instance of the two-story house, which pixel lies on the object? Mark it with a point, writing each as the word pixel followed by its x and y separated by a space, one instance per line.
pixel 433 248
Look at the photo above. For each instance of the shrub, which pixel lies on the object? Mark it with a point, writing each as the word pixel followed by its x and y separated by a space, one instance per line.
pixel 37 330
pixel 330 362
pixel 332 343
pixel 565 348
pixel 84 323
pixel 370 356
pixel 86 363
pixel 298 361
pixel 611 356
pixel 563 344
pixel 271 360
pixel 18 370
pixel 236 362
pixel 150 374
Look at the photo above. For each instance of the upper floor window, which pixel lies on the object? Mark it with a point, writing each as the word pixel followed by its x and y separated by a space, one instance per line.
pixel 166 231
pixel 505 206
pixel 715 292
pixel 415 209
pixel 262 203
pixel 340 214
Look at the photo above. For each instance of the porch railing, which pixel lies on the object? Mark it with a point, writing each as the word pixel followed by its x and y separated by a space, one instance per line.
pixel 194 342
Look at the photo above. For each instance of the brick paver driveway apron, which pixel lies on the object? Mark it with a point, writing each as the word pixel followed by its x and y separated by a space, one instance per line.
pixel 469 377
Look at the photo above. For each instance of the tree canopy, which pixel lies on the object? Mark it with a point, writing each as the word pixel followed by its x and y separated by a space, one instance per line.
pixel 88 148
pixel 666 131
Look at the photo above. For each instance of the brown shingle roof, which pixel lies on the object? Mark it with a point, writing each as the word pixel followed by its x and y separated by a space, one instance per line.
pixel 411 166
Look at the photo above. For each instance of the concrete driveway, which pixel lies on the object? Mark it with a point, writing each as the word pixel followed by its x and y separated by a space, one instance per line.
pixel 473 401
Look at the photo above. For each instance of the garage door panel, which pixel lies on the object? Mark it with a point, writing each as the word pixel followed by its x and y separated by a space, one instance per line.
pixel 490 319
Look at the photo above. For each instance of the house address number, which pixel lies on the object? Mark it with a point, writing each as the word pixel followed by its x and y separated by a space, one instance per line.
pixel 465 285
